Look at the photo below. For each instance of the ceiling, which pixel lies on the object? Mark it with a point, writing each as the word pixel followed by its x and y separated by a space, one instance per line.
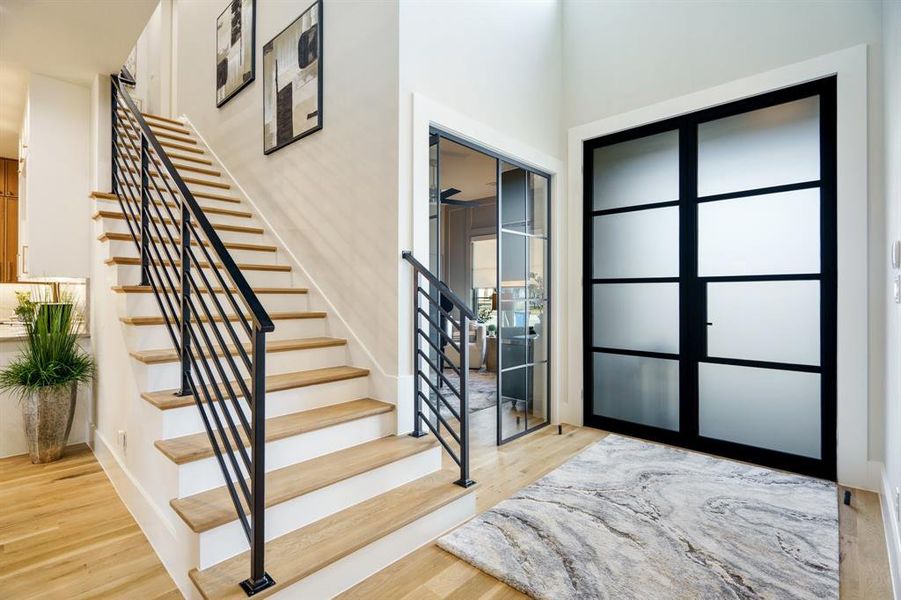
pixel 470 171
pixel 71 40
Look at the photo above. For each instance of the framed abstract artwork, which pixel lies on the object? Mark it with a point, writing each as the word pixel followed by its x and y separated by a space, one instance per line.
pixel 235 49
pixel 292 81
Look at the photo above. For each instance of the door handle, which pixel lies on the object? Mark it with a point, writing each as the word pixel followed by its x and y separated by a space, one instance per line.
pixel 709 323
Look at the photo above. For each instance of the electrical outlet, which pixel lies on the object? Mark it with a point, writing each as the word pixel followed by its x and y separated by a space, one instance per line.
pixel 123 439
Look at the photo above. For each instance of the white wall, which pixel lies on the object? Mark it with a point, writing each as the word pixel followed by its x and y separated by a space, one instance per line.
pixel 54 210
pixel 153 55
pixel 892 476
pixel 332 196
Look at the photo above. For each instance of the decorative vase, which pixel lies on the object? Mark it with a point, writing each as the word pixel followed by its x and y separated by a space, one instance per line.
pixel 48 414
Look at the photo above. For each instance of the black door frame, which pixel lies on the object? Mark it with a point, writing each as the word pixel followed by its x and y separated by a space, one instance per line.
pixel 693 292
pixel 435 136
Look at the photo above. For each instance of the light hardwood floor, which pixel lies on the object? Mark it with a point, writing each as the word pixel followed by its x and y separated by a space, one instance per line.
pixel 431 573
pixel 63 526
pixel 64 534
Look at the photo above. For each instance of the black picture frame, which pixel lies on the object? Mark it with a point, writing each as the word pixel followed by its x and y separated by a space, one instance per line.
pixel 253 51
pixel 269 48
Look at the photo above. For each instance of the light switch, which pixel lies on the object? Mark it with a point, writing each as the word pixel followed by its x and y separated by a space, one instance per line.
pixel 898 289
pixel 896 254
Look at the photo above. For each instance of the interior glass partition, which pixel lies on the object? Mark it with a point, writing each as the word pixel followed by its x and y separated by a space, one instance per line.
pixel 511 293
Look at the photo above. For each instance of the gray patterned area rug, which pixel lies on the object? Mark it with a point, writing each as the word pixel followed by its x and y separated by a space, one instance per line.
pixel 632 519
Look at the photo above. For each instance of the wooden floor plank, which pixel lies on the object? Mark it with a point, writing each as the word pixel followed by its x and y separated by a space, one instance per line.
pixel 83 542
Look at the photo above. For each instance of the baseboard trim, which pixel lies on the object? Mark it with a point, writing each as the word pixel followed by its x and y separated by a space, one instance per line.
pixel 155 526
pixel 892 537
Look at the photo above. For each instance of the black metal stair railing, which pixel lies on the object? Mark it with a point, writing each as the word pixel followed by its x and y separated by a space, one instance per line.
pixel 185 263
pixel 435 324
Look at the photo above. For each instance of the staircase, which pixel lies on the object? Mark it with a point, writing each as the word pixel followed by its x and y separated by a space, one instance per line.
pixel 344 495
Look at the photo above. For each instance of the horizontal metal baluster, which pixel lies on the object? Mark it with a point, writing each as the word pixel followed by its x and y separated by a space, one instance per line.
pixel 236 436
pixel 232 492
pixel 222 373
pixel 448 337
pixel 447 447
pixel 437 412
pixel 434 367
pixel 223 434
pixel 226 291
pixel 224 315
pixel 440 396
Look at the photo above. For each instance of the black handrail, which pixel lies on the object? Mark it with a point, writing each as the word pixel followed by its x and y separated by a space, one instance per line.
pixel 170 267
pixel 425 369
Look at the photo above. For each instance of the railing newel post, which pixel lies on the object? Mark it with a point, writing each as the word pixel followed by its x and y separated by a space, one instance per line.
pixel 145 212
pixel 465 481
pixel 417 386
pixel 185 296
pixel 114 106
pixel 259 578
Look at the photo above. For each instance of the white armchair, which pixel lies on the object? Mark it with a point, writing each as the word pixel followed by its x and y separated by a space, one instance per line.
pixel 476 345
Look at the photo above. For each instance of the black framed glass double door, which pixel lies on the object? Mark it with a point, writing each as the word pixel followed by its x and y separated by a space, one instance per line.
pixel 710 292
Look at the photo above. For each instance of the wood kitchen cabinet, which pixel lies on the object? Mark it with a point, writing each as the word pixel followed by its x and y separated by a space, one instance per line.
pixel 9 220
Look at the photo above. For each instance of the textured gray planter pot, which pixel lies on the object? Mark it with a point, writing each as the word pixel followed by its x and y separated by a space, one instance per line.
pixel 48 415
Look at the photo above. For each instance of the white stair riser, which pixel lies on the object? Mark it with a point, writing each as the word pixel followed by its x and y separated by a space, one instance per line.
pixel 129 248
pixel 201 475
pixel 212 217
pixel 131 275
pixel 347 572
pixel 145 303
pixel 120 226
pixel 186 420
pixel 146 337
pixel 228 540
pixel 164 376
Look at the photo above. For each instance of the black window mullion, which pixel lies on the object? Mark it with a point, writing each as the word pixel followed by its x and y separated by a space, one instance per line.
pixel 691 301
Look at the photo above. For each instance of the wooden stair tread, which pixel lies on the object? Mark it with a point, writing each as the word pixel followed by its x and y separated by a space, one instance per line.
pixel 190 448
pixel 298 554
pixel 170 127
pixel 114 214
pixel 156 357
pixel 162 134
pixel 163 122
pixel 213 210
pixel 163 119
pixel 116 236
pixel 146 289
pixel 196 194
pixel 136 261
pixel 201 170
pixel 126 153
pixel 167 399
pixel 277 316
pixel 191 180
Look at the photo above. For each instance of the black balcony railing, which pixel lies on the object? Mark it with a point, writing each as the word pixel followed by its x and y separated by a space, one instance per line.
pixel 440 324
pixel 193 277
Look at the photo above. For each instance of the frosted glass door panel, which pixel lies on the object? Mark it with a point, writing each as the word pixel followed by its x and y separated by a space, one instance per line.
pixel 643 243
pixel 637 389
pixel 774 321
pixel 641 171
pixel 762 148
pixel 637 316
pixel 766 408
pixel 760 235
